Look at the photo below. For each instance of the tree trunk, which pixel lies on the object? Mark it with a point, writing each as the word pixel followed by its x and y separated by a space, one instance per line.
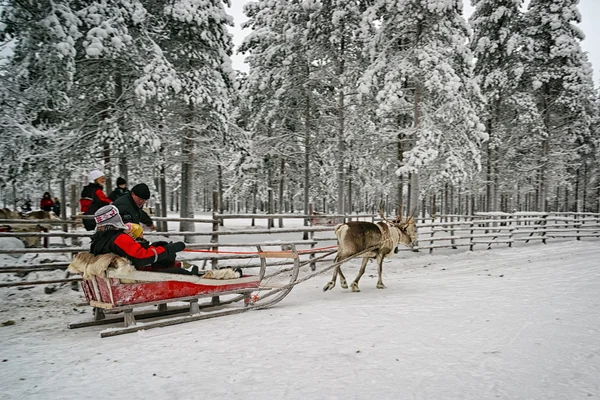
pixel 281 185
pixel 544 164
pixel 414 176
pixel 340 133
pixel 187 188
pixel 350 207
pixel 221 190
pixel 106 160
pixel 307 148
pixel 162 184
pixel 122 156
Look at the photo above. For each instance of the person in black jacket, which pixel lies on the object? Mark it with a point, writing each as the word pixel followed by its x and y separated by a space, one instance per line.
pixel 130 206
pixel 111 237
pixel 56 207
pixel 120 190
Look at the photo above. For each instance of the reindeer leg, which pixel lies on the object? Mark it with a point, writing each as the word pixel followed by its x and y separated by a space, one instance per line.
pixel 343 282
pixel 380 284
pixel 331 284
pixel 363 266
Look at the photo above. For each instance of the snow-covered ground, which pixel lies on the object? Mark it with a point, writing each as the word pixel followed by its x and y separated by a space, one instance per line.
pixel 506 323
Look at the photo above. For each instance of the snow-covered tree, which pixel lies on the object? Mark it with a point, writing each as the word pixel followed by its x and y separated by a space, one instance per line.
pixel 561 79
pixel 497 46
pixel 192 36
pixel 278 91
pixel 422 73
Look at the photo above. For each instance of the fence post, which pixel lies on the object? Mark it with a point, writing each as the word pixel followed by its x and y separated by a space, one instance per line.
pixel 74 201
pixel 214 238
pixel 270 221
pixel 543 227
pixel 577 225
pixel 311 235
pixel 512 230
pixel 471 235
pixel 452 242
pixel 431 235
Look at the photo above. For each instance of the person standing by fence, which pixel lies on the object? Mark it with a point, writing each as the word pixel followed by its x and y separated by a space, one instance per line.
pixel 93 197
pixel 56 207
pixel 46 203
pixel 120 190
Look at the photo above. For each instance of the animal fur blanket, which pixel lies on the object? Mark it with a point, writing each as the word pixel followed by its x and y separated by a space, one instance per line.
pixel 89 265
pixel 225 273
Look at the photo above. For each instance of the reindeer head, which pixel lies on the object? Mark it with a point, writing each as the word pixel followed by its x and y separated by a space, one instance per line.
pixel 407 227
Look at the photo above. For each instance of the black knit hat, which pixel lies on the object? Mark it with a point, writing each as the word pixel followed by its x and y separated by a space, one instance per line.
pixel 121 181
pixel 141 190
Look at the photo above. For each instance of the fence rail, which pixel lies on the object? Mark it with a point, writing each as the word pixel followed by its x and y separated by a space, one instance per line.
pixel 439 232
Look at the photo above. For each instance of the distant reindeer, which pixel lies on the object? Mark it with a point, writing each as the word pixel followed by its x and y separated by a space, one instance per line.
pixel 384 237
pixel 30 241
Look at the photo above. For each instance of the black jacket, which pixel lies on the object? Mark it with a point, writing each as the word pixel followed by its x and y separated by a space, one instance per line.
pixel 118 192
pixel 130 212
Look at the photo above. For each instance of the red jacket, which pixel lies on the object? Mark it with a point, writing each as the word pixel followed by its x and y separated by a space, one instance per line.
pixel 118 242
pixel 46 204
pixel 92 193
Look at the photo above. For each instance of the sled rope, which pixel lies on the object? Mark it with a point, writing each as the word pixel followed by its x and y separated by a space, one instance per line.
pixel 335 264
pixel 253 252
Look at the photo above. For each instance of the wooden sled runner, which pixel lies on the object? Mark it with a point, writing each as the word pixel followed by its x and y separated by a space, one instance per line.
pixel 112 286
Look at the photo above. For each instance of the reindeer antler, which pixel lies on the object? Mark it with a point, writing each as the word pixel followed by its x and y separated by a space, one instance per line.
pixel 415 212
pixel 383 216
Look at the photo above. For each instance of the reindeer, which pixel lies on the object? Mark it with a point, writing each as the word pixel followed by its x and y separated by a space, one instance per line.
pixel 383 237
pixel 31 241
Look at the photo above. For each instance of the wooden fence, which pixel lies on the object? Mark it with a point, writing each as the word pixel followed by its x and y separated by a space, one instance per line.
pixel 482 230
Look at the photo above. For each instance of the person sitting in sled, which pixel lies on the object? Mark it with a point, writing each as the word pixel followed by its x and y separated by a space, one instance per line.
pixel 111 237
pixel 137 233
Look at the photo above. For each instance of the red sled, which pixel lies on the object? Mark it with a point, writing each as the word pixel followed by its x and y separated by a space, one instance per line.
pixel 116 290
pixel 120 290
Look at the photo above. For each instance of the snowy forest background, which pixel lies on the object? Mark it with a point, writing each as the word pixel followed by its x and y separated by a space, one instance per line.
pixel 346 103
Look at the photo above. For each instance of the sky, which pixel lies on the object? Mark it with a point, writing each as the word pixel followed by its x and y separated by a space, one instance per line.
pixel 506 323
pixel 589 10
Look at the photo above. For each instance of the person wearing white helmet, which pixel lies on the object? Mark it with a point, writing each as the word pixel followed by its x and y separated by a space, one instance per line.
pixel 93 197
pixel 113 236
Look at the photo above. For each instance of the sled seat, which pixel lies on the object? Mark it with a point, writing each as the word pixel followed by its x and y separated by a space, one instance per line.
pixel 111 282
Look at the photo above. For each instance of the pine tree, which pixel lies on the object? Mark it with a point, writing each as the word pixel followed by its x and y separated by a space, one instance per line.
pixel 561 80
pixel 278 91
pixel 194 40
pixel 497 47
pixel 422 75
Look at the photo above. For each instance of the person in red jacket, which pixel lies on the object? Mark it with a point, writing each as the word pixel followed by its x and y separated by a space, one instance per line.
pixel 46 203
pixel 93 197
pixel 111 237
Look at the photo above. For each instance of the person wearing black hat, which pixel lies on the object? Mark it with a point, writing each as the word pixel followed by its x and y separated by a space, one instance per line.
pixel 120 190
pixel 130 206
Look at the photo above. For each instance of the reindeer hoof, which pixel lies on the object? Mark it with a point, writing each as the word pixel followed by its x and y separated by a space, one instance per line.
pixel 355 288
pixel 344 285
pixel 329 286
pixel 380 286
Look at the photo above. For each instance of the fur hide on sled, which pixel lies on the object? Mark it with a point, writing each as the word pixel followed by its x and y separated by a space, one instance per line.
pixel 89 265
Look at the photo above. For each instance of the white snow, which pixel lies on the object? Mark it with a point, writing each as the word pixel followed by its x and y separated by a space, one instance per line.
pixel 507 323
